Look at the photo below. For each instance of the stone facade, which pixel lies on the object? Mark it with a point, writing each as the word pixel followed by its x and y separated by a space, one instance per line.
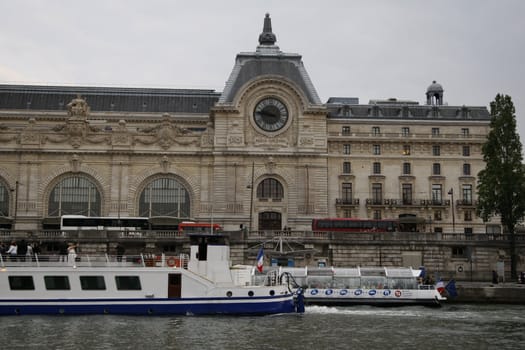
pixel 426 165
pixel 384 159
pixel 265 153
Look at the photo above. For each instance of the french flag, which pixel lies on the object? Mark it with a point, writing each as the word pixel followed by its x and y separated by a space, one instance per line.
pixel 451 289
pixel 260 260
pixel 440 286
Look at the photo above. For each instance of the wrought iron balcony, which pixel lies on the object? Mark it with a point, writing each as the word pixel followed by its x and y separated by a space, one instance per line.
pixel 347 201
pixel 403 202
pixel 466 203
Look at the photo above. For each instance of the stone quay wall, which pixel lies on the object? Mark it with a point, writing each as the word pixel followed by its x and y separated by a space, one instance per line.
pixel 459 256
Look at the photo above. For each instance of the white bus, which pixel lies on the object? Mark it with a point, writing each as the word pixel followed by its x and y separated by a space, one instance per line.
pixel 96 223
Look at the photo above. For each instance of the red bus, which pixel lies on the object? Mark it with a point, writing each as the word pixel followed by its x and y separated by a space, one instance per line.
pixel 199 227
pixel 354 225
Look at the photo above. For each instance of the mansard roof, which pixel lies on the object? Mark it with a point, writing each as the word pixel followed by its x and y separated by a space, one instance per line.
pixel 105 99
pixel 402 109
pixel 268 60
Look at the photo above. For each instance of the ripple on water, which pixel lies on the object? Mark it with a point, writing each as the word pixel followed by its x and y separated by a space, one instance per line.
pixel 321 327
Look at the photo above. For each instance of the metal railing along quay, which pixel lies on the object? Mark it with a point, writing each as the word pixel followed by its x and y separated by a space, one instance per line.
pixel 256 235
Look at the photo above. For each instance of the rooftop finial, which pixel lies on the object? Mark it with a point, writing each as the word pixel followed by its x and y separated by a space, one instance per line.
pixel 267 37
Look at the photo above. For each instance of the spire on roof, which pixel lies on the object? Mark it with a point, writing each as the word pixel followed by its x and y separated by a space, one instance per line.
pixel 267 37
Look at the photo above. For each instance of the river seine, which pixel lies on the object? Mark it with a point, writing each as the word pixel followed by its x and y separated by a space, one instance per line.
pixel 465 326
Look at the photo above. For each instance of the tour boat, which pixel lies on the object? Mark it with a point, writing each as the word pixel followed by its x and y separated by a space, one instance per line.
pixel 381 286
pixel 203 284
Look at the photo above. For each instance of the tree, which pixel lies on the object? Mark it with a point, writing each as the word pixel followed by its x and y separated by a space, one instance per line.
pixel 501 185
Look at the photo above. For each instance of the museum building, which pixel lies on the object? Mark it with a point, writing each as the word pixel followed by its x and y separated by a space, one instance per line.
pixel 264 154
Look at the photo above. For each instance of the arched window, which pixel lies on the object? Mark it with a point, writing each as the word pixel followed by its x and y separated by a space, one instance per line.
pixel 270 188
pixel 164 197
pixel 4 200
pixel 74 195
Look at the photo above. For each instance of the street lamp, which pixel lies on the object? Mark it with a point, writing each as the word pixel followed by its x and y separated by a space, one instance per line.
pixel 251 200
pixel 451 193
pixel 15 190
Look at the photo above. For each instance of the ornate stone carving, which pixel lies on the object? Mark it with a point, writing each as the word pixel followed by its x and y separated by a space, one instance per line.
pixel 271 142
pixel 78 108
pixel 165 164
pixel 207 140
pixel 3 136
pixel 306 141
pixel 121 135
pixel 75 163
pixel 77 130
pixel 208 136
pixel 29 135
pixel 165 134
pixel 270 165
pixel 235 140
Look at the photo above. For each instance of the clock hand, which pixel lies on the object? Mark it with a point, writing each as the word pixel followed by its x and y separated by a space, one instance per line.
pixel 268 114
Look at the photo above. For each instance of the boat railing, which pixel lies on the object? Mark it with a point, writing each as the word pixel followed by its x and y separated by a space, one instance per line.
pixel 93 260
pixel 272 278
pixel 427 286
pixel 269 278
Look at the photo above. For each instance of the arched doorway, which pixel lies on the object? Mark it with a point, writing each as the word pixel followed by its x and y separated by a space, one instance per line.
pixel 270 220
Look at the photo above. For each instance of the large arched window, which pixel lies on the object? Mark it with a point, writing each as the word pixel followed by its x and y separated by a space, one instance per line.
pixel 270 188
pixel 75 195
pixel 4 200
pixel 165 197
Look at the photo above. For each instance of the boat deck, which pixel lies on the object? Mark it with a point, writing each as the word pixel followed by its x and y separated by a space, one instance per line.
pixel 86 260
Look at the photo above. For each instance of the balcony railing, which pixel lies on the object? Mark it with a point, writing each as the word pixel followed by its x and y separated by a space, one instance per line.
pixel 347 201
pixel 408 202
pixel 257 235
pixel 466 203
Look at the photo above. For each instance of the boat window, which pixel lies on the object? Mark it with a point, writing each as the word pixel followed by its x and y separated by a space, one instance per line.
pixel 21 283
pixel 373 282
pixel 403 283
pixel 346 282
pixel 57 282
pixel 372 272
pixel 128 282
pixel 92 283
pixel 319 281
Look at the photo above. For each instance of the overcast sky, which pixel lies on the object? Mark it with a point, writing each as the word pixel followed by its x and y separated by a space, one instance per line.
pixel 361 48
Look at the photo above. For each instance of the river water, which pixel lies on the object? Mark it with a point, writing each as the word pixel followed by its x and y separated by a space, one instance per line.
pixel 465 326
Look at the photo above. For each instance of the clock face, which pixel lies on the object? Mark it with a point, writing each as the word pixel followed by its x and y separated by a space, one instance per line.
pixel 270 114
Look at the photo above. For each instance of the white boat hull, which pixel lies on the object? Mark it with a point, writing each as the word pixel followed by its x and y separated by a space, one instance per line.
pixel 381 286
pixel 202 284
pixel 382 297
